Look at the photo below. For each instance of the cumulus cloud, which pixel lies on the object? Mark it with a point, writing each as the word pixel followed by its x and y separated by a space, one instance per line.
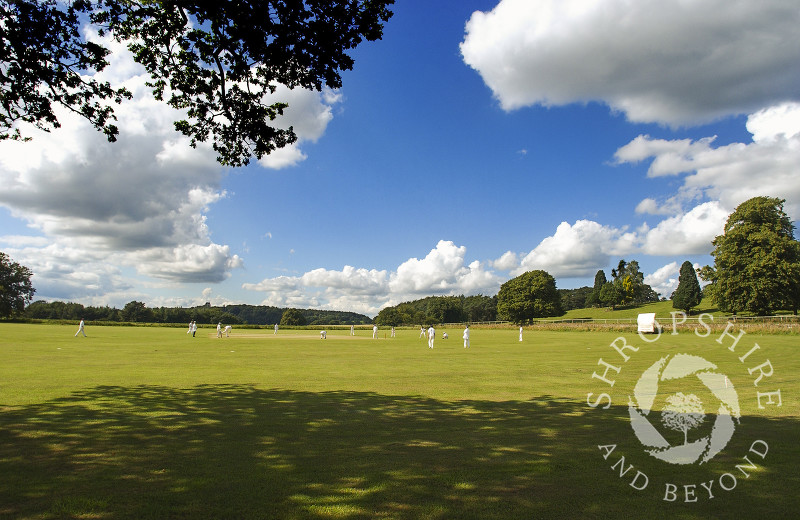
pixel 67 271
pixel 669 61
pixel 689 233
pixel 441 272
pixel 578 250
pixel 507 262
pixel 308 113
pixel 664 280
pixel 727 174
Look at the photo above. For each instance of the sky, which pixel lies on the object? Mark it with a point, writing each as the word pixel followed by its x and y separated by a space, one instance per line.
pixel 476 141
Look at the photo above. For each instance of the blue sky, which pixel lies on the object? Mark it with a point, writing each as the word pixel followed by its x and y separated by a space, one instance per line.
pixel 477 140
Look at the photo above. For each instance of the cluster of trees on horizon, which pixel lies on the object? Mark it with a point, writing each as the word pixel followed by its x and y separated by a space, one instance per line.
pixel 756 270
pixel 529 296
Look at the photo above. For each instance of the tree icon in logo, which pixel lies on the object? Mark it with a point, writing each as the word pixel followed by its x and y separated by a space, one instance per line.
pixel 683 412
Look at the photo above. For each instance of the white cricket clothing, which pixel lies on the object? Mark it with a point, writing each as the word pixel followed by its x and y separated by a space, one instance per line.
pixel 81 330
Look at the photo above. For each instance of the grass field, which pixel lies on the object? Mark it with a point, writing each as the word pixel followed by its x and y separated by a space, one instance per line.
pixel 139 422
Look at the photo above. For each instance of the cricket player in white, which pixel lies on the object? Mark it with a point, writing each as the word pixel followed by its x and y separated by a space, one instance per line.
pixel 466 337
pixel 431 336
pixel 219 330
pixel 374 332
pixel 81 330
pixel 227 331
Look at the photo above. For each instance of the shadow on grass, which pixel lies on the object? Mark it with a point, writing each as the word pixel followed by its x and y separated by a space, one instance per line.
pixel 225 451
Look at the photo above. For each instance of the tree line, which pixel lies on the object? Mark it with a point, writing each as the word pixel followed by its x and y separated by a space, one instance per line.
pixel 138 312
pixel 440 309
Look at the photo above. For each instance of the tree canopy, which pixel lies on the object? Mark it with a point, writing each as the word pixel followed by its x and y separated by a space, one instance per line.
pixel 217 61
pixel 756 260
pixel 626 287
pixel 16 289
pixel 293 317
pixel 528 296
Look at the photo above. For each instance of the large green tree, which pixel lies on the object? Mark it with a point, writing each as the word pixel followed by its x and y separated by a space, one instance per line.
pixel 16 289
pixel 293 317
pixel 389 317
pixel 756 260
pixel 688 294
pixel 528 296
pixel 136 311
pixel 599 281
pixel 214 60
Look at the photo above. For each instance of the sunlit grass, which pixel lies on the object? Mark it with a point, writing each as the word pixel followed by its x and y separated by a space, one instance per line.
pixel 151 423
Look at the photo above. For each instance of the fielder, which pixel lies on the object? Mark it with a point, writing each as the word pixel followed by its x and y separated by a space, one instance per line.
pixel 466 337
pixel 431 336
pixel 80 329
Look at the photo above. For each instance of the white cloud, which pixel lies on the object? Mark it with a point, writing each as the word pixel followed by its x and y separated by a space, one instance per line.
pixel 666 61
pixel 285 157
pixel 507 262
pixel 664 280
pixel 727 174
pixel 578 250
pixel 651 207
pixel 67 271
pixel 775 123
pixel 308 113
pixel 435 272
pixel 351 280
pixel 441 272
pixel 686 234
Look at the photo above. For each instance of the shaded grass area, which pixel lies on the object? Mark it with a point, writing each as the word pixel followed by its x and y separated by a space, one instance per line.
pixel 236 451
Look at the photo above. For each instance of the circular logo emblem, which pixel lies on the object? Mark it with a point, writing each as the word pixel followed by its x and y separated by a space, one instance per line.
pixel 683 412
